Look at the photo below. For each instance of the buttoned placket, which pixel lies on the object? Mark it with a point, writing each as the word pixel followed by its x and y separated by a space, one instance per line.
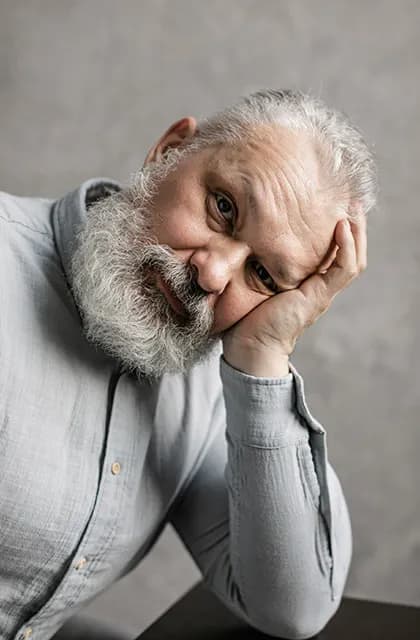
pixel 99 534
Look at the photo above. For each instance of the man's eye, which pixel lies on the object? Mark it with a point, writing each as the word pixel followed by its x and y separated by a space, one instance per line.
pixel 265 277
pixel 225 207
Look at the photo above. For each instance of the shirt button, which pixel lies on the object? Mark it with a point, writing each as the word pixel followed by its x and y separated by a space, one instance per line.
pixel 115 468
pixel 80 564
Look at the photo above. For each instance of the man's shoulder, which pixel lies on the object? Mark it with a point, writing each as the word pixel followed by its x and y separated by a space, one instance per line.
pixel 31 213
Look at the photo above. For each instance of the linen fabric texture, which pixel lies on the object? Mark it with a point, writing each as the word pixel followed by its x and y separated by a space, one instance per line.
pixel 95 461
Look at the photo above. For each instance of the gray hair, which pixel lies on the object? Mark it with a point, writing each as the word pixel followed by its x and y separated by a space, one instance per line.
pixel 346 159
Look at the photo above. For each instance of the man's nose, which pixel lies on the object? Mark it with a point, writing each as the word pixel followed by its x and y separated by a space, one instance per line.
pixel 218 262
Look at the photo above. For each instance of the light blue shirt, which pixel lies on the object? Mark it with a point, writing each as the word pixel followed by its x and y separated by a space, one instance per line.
pixel 94 462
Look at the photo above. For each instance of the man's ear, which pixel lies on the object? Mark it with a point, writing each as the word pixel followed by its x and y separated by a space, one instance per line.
pixel 181 130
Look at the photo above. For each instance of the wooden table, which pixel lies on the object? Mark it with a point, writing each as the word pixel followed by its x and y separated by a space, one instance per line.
pixel 200 616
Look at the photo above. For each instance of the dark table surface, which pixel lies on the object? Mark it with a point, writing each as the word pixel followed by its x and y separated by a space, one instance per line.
pixel 200 616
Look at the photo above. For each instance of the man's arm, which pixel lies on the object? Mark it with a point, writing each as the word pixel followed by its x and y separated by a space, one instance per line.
pixel 270 529
pixel 277 547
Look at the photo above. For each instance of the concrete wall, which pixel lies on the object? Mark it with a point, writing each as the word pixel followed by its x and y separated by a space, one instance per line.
pixel 86 87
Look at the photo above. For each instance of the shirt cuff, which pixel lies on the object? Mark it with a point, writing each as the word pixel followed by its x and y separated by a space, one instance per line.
pixel 263 411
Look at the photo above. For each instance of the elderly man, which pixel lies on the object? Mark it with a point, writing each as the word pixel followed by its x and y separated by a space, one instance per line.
pixel 145 336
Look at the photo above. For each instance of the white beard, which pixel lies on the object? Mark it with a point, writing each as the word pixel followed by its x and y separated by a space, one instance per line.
pixel 114 269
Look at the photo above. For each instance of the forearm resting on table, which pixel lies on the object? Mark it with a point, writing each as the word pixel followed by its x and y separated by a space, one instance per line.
pixel 290 543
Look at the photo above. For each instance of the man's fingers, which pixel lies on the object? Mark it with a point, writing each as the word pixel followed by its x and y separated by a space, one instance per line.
pixel 345 266
pixel 358 227
pixel 320 289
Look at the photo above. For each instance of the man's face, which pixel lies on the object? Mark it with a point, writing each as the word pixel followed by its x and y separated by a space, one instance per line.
pixel 166 266
pixel 250 221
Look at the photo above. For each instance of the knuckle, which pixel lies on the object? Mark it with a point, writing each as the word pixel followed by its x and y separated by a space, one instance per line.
pixel 315 305
pixel 323 306
pixel 310 317
pixel 301 315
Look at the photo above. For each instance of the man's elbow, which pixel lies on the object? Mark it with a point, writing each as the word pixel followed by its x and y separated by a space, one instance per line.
pixel 294 621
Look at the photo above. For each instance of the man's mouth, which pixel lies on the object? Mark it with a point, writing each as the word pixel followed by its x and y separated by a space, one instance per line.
pixel 173 301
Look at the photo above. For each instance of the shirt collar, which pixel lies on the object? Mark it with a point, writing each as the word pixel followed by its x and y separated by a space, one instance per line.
pixel 69 215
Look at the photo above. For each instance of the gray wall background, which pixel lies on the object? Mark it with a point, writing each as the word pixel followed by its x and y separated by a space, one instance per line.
pixel 87 86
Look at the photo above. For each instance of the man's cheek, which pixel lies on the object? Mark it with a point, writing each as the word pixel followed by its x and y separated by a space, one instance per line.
pixel 177 231
pixel 229 312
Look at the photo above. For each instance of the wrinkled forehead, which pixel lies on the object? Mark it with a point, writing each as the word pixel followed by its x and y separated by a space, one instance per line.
pixel 279 173
pixel 271 153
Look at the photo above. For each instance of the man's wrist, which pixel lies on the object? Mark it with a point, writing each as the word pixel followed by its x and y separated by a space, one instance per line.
pixel 261 364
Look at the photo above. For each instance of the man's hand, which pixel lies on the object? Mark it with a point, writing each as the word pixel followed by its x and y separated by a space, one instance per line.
pixel 260 343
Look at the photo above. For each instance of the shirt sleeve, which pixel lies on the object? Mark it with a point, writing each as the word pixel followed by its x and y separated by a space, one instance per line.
pixel 264 516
